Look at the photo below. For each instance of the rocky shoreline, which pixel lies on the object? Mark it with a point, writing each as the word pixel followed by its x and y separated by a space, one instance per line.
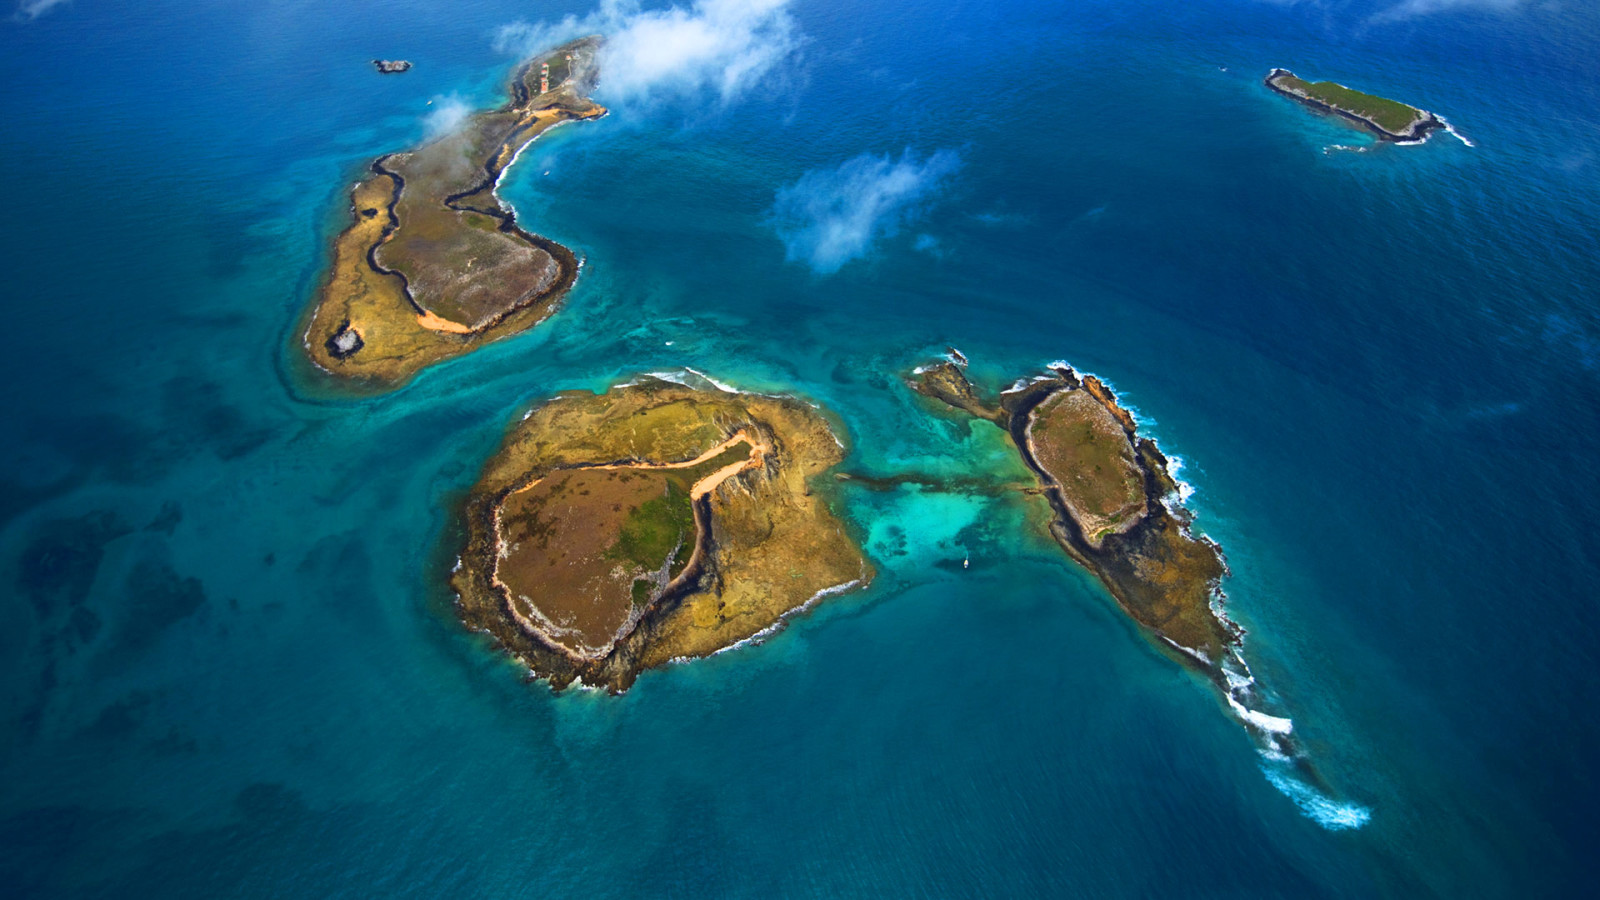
pixel 1420 128
pixel 1162 575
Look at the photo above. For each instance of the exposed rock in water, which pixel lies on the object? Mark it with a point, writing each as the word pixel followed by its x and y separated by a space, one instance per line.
pixel 391 66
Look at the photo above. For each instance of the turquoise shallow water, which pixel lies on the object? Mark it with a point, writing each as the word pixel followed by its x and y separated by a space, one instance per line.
pixel 230 660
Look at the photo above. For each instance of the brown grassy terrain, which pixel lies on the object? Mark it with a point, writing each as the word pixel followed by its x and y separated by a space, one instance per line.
pixel 433 265
pixel 582 551
pixel 1081 444
pixel 598 586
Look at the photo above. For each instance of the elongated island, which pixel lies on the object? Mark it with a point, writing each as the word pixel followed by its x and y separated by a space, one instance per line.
pixel 1390 120
pixel 659 520
pixel 434 265
pixel 1114 504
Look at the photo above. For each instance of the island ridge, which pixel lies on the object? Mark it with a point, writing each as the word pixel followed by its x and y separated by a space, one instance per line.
pixel 434 265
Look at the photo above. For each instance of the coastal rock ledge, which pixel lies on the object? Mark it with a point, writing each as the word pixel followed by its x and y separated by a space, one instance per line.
pixel 1390 120
pixel 1115 504
pixel 659 520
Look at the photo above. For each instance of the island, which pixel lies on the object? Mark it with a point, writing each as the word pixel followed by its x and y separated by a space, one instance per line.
pixel 664 519
pixel 1388 119
pixel 1114 503
pixel 434 265
pixel 391 66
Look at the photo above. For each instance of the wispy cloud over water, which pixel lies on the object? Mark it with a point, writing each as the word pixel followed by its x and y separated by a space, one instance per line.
pixel 28 10
pixel 1412 9
pixel 832 216
pixel 446 116
pixel 723 46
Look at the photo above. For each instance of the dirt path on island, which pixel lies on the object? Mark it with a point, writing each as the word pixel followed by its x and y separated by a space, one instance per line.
pixel 554 633
pixel 702 488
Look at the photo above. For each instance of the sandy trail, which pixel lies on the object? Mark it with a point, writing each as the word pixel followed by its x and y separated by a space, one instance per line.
pixel 706 485
pixel 701 488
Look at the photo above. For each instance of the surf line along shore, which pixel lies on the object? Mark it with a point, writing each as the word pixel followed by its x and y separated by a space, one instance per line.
pixel 433 264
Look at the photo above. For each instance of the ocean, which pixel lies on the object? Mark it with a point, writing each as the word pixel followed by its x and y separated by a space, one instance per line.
pixel 231 663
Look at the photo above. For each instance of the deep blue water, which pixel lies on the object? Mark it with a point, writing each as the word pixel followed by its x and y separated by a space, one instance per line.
pixel 230 662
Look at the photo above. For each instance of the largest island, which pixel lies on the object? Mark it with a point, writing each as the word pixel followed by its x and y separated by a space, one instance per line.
pixel 662 519
pixel 433 265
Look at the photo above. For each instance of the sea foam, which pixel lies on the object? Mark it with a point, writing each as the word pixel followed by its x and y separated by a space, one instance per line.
pixel 1329 813
pixel 1273 724
pixel 1175 466
pixel 1452 130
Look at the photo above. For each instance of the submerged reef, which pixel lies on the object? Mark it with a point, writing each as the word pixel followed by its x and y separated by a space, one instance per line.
pixel 659 520
pixel 1390 120
pixel 434 265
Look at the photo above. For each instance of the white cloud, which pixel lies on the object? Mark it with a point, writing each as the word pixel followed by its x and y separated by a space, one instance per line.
pixel 1413 9
pixel 727 46
pixel 832 216
pixel 28 10
pixel 447 115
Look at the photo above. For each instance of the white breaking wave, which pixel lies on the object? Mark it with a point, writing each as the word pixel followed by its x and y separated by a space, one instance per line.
pixel 1328 813
pixel 761 636
pixel 719 385
pixel 1452 130
pixel 1175 472
pixel 1273 724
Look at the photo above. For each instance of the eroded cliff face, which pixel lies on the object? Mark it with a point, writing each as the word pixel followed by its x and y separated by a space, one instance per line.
pixel 615 532
pixel 1115 512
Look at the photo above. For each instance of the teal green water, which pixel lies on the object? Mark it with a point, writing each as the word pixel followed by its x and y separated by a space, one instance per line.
pixel 231 661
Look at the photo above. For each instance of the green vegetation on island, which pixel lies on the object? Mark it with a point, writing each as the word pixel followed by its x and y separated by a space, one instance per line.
pixel 1389 119
pixel 615 532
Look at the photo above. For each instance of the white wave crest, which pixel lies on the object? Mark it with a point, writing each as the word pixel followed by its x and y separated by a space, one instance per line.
pixel 1328 813
pixel 719 385
pixel 1451 129
pixel 761 636
pixel 1175 466
pixel 1272 724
